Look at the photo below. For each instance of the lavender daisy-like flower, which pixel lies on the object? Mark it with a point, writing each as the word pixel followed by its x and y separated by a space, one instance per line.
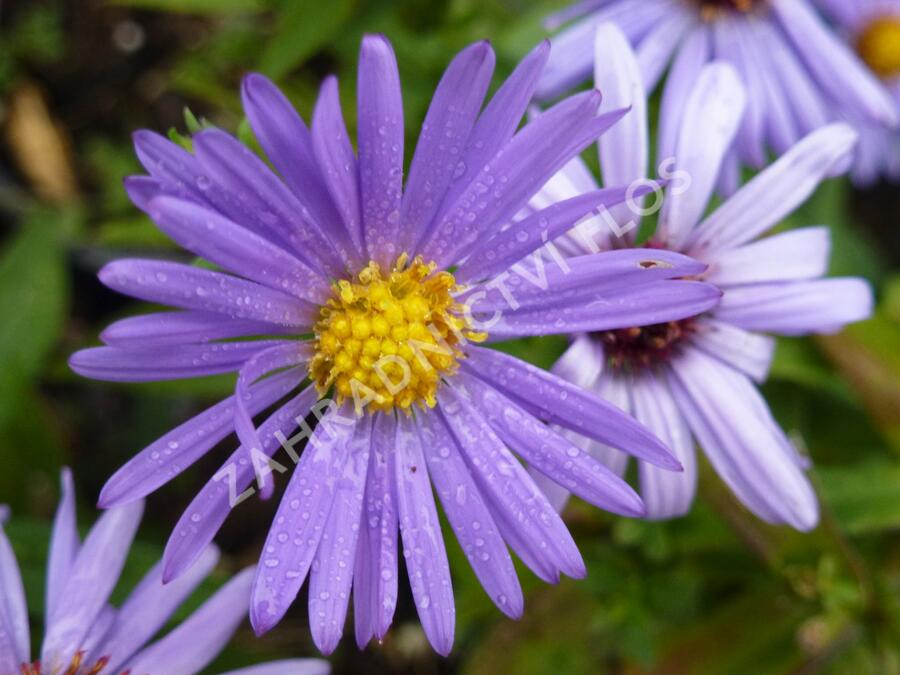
pixel 873 29
pixel 372 290
pixel 693 379
pixel 85 635
pixel 797 71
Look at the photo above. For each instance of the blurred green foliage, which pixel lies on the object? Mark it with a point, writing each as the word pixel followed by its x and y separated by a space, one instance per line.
pixel 714 593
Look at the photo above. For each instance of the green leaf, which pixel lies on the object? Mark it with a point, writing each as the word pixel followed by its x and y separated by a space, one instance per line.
pixel 194 6
pixel 864 497
pixel 303 29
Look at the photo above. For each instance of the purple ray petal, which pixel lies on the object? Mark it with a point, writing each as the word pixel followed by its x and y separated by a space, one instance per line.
pixel 655 51
pixel 774 193
pixel 423 543
pixel 142 190
pixel 204 516
pixel 445 132
pixel 536 282
pixel 302 514
pixel 712 115
pixel 693 54
pixel 747 352
pixel 500 251
pixel 559 402
pixel 644 305
pixel 235 167
pixel 513 496
pixel 114 364
pixel 582 363
pixel 179 328
pixel 167 457
pixel 787 256
pixel 187 287
pixel 236 249
pixel 470 517
pixel 180 651
pixel 744 444
pixel 516 173
pixel 148 607
pixel 334 153
pixel 550 453
pixel 332 568
pixel 380 139
pixel 92 577
pixel 798 308
pixel 15 645
pixel 64 543
pixel 836 68
pixel 667 494
pixel 260 364
pixel 375 574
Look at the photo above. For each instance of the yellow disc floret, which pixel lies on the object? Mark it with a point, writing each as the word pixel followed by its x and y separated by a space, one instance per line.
pixel 385 340
pixel 879 46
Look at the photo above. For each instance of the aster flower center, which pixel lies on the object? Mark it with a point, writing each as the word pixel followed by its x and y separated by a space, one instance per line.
pixel 385 340
pixel 879 46
pixel 710 9
pixel 638 348
pixel 76 667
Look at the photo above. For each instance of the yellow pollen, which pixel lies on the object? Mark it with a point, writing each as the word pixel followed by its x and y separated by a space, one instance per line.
pixel 879 46
pixel 385 340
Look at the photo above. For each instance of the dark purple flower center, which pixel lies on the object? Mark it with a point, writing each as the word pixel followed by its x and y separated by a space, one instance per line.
pixel 639 348
pixel 76 667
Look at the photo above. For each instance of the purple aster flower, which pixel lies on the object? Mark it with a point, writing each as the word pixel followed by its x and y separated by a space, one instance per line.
pixel 873 29
pixel 85 635
pixel 339 250
pixel 693 379
pixel 797 71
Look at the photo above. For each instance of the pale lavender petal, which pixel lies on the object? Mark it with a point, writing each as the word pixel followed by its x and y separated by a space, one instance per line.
pixel 115 364
pixel 582 363
pixel 180 652
pixel 775 192
pixel 64 543
pixel 423 543
pixel 470 516
pixel 552 454
pixel 747 352
pixel 651 303
pixel 380 139
pixel 186 287
pixel 332 568
pixel 167 457
pixel 375 573
pixel 301 518
pixel 444 137
pixel 624 148
pixel 286 141
pixel 505 184
pixel 836 68
pixel 788 256
pixel 239 170
pixel 690 59
pixel 5 513
pixel 179 328
pixel 147 609
pixel 501 251
pixel 236 249
pixel 667 494
pixel 204 516
pixel 615 389
pixel 92 577
pixel 260 364
pixel 334 153
pixel 540 535
pixel 712 115
pixel 655 51
pixel 15 645
pixel 559 402
pixel 798 308
pixel 744 444
pixel 286 667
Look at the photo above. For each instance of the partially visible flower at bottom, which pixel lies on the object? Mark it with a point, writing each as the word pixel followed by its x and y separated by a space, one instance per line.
pixel 873 30
pixel 85 635
pixel 4 513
